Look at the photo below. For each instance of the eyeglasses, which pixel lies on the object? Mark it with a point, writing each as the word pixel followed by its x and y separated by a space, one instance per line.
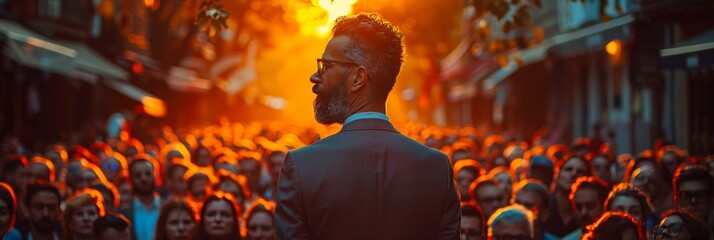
pixel 692 197
pixel 321 64
pixel 671 230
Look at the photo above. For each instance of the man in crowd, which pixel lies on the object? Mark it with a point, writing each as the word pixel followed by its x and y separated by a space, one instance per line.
pixel 143 211
pixel 42 205
pixel 693 191
pixel 485 192
pixel 587 198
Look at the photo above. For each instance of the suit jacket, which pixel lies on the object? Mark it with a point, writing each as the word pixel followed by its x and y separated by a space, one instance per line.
pixel 367 182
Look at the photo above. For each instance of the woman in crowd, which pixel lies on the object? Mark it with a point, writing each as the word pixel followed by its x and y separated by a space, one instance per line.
pixel 177 221
pixel 83 208
pixel 8 210
pixel 259 220
pixel 219 218
pixel 562 220
pixel 679 224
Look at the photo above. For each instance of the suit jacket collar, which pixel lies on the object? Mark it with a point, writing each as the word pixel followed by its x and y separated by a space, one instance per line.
pixel 369 124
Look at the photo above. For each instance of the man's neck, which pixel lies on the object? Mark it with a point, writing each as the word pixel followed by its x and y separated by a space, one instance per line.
pixel 367 106
pixel 42 235
pixel 146 199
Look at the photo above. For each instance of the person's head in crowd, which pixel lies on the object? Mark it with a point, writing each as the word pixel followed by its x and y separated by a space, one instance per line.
pixel 175 183
pixel 581 146
pixel 473 222
pixel 126 194
pixel 92 174
pixel 485 192
pixel 203 155
pixel 518 167
pixel 670 157
pixel 615 226
pixel 466 171
pixel 693 190
pixel 142 172
pixel 504 178
pixel 8 208
pixel 587 198
pixel 199 181
pixel 601 161
pixel 534 196
pixel 648 180
pixel 461 150
pixel 41 168
pixel 228 163
pixel 177 221
pixel 496 159
pixel 493 143
pixel 81 210
pixel 680 225
pixel 58 155
pixel 133 148
pixel 557 152
pixel 540 167
pixel 101 150
pixel 275 160
pixel 515 150
pixel 15 172
pixel 112 226
pixel 259 220
pixel 250 163
pixel 639 162
pixel 219 217
pixel 42 207
pixel 627 198
pixel 114 166
pixel 568 170
pixel 511 222
pixel 110 195
pixel 173 151
pixel 74 168
pixel 237 185
pixel 621 163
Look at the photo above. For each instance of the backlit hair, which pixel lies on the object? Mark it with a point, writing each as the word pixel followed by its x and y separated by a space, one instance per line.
pixel 376 45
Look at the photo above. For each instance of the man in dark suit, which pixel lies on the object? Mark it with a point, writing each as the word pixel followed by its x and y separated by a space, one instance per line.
pixel 368 181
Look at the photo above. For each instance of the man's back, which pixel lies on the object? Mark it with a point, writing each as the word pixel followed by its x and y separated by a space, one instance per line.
pixel 367 182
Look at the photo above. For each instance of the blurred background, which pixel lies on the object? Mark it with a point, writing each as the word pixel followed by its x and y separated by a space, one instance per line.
pixel 631 71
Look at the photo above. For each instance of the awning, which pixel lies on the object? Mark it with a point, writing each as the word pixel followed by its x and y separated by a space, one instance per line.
pixel 694 53
pixel 593 37
pixel 528 56
pixel 34 50
pixel 69 58
pixel 87 60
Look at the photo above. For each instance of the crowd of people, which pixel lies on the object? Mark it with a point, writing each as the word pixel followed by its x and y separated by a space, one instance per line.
pixel 220 182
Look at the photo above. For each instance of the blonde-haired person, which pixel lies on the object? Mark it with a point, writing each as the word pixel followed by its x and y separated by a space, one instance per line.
pixel 81 210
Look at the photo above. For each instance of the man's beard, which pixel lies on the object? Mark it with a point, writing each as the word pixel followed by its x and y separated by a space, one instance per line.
pixel 143 192
pixel 332 106
pixel 44 225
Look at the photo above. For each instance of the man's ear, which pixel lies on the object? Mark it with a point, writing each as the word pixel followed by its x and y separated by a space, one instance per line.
pixel 360 79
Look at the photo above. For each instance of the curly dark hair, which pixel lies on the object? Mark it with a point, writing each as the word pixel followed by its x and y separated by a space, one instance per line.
pixel 377 45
